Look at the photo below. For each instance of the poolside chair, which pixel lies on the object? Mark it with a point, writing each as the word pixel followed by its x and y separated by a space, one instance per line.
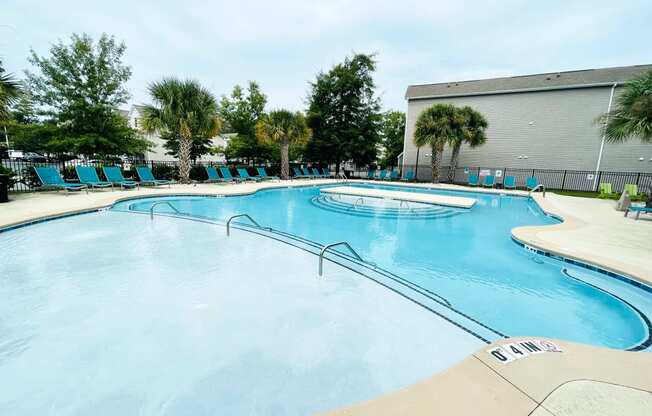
pixel 51 178
pixel 113 174
pixel 226 174
pixel 262 174
pixel 605 190
pixel 473 180
pixel 393 176
pixel 509 182
pixel 371 174
pixel 382 175
pixel 214 177
pixel 638 211
pixel 327 173
pixel 88 176
pixel 531 183
pixel 409 176
pixel 298 174
pixel 489 181
pixel 147 177
pixel 316 173
pixel 244 175
pixel 632 189
pixel 307 174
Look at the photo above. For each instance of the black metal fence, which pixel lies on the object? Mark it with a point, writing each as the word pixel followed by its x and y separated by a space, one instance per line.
pixel 570 180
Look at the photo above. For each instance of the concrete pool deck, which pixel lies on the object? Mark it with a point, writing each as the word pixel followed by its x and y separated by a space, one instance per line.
pixel 582 380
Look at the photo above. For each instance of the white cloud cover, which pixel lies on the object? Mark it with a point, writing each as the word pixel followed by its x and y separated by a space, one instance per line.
pixel 283 44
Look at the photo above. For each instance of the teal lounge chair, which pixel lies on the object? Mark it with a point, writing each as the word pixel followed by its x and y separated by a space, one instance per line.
pixel 114 175
pixel 147 177
pixel 531 183
pixel 371 174
pixel 213 176
pixel 226 174
pixel 473 180
pixel 317 174
pixel 328 173
pixel 639 211
pixel 382 174
pixel 393 176
pixel 409 176
pixel 51 178
pixel 244 175
pixel 298 174
pixel 489 181
pixel 262 174
pixel 509 182
pixel 307 173
pixel 88 176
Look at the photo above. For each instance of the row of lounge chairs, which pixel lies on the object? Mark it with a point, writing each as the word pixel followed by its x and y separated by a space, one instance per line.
pixel 311 173
pixel 509 182
pixel 393 175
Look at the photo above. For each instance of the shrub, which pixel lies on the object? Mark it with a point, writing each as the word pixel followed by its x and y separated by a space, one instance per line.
pixel 198 173
pixel 165 171
pixel 10 173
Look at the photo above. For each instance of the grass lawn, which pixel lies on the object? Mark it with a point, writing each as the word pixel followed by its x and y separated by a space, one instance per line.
pixel 589 194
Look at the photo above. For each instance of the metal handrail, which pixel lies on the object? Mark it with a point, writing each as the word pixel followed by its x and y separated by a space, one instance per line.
pixel 329 246
pixel 151 209
pixel 355 204
pixel 537 187
pixel 253 221
pixel 404 203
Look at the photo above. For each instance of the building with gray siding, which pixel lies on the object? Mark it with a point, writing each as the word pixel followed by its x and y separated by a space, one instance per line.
pixel 542 121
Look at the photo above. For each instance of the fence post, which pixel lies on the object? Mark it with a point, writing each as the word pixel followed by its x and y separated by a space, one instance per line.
pixel 598 181
pixel 638 177
pixel 563 181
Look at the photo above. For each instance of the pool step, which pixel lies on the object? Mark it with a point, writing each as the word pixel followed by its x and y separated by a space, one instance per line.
pixel 333 204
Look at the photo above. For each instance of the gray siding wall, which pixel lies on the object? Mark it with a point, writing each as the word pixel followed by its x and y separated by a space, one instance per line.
pixel 555 129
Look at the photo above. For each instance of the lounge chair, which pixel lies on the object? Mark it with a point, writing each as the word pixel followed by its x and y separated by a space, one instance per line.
pixel 244 175
pixel 632 190
pixel 262 174
pixel 382 175
pixel 473 180
pixel 213 176
pixel 306 173
pixel 114 175
pixel 299 175
pixel 371 174
pixel 606 190
pixel 316 173
pixel 638 211
pixel 327 173
pixel 409 176
pixel 531 183
pixel 147 177
pixel 393 176
pixel 51 178
pixel 489 181
pixel 88 176
pixel 509 182
pixel 226 174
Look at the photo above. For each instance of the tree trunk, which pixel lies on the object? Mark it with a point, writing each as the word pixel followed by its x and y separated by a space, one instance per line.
pixel 285 159
pixel 435 162
pixel 454 157
pixel 185 145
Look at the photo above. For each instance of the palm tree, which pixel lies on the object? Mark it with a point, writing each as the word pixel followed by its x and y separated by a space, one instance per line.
pixel 185 109
pixel 471 132
pixel 10 91
pixel 633 114
pixel 436 126
pixel 283 127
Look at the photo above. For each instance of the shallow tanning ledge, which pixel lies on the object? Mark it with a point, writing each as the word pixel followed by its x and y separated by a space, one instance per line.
pixel 447 200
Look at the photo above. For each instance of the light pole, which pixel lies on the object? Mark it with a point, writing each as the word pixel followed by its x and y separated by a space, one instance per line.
pixel 416 167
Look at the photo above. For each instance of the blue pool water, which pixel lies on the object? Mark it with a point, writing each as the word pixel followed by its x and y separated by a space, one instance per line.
pixel 466 256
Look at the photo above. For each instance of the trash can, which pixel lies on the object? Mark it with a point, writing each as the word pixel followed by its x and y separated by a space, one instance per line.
pixel 4 188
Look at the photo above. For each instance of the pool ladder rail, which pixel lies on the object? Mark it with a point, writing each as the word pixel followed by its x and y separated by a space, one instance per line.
pixel 539 186
pixel 328 247
pixel 247 216
pixel 151 209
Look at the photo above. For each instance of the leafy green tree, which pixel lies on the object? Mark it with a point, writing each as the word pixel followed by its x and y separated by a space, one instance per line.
pixel 471 131
pixel 183 109
pixel 241 112
pixel 79 86
pixel 282 128
pixel 632 117
pixel 344 113
pixel 392 133
pixel 10 92
pixel 436 126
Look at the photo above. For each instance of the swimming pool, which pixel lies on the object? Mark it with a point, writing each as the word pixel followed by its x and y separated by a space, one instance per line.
pixel 170 316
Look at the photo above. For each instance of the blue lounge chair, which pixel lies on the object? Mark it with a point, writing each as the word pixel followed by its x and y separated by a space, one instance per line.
pixel 393 176
pixel 382 174
pixel 307 173
pixel 473 180
pixel 226 174
pixel 328 173
pixel 88 176
pixel 213 176
pixel 299 174
pixel 317 174
pixel 638 211
pixel 114 175
pixel 262 174
pixel 147 177
pixel 409 176
pixel 371 174
pixel 244 175
pixel 51 178
pixel 531 183
pixel 489 181
pixel 509 182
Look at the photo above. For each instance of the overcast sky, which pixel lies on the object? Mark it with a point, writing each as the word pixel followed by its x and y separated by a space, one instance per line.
pixel 282 44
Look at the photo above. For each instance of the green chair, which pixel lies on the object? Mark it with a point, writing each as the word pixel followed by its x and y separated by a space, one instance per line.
pixel 147 177
pixel 88 176
pixel 631 189
pixel 606 191
pixel 113 174
pixel 51 178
